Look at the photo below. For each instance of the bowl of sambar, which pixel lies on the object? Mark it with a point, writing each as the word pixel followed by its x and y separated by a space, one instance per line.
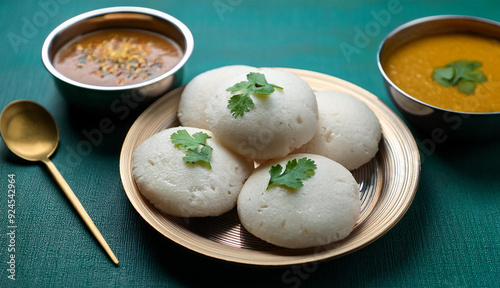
pixel 109 59
pixel 442 73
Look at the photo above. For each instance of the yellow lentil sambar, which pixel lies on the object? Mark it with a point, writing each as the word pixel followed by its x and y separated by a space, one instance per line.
pixel 116 57
pixel 411 67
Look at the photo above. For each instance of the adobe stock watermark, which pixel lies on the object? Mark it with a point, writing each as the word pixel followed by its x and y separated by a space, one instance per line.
pixel 427 146
pixel 298 273
pixel 29 26
pixel 12 224
pixel 448 124
pixel 223 6
pixel 364 35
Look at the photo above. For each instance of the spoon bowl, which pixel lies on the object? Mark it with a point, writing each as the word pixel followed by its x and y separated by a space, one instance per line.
pixel 30 132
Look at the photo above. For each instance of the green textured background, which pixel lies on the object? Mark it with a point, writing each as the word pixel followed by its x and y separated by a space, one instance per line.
pixel 450 236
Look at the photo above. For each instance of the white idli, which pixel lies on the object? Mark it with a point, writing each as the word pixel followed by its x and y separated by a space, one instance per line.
pixel 278 123
pixel 200 90
pixel 325 209
pixel 184 189
pixel 348 131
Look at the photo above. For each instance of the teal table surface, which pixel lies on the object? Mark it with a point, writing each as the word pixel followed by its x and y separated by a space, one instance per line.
pixel 449 237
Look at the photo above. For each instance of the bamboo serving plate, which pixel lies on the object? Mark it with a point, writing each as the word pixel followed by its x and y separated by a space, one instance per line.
pixel 388 184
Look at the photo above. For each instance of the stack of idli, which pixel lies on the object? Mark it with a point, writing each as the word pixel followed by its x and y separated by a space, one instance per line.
pixel 335 130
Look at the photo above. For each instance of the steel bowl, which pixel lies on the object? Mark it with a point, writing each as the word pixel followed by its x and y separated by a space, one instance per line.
pixel 438 122
pixel 117 99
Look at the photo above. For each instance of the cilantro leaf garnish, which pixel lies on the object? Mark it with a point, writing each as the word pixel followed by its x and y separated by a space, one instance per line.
pixel 295 172
pixel 184 141
pixel 190 144
pixel 193 156
pixel 240 104
pixel 256 84
pixel 461 74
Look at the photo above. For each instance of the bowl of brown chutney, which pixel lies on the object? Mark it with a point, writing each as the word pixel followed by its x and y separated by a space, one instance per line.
pixel 106 57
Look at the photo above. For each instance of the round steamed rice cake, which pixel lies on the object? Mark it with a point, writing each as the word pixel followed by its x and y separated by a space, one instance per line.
pixel 348 131
pixel 184 189
pixel 200 90
pixel 278 123
pixel 325 209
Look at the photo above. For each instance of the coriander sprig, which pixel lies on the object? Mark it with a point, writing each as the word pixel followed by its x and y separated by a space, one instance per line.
pixel 460 73
pixel 190 144
pixel 256 84
pixel 295 172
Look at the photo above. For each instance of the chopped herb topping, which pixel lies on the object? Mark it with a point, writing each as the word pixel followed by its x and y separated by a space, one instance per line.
pixel 295 172
pixel 256 84
pixel 122 57
pixel 460 73
pixel 190 144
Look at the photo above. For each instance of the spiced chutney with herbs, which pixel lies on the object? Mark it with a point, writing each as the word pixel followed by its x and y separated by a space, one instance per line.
pixel 117 57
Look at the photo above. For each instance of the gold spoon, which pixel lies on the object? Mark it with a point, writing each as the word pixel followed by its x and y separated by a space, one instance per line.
pixel 31 133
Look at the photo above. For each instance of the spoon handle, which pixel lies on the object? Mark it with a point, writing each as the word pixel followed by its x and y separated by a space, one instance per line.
pixel 79 208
